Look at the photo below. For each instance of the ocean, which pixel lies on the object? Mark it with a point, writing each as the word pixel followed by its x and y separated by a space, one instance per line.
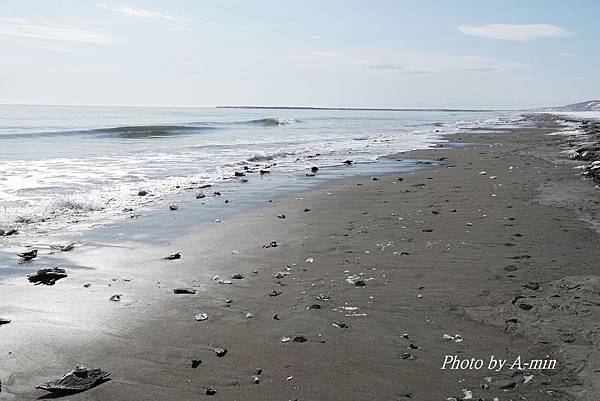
pixel 73 168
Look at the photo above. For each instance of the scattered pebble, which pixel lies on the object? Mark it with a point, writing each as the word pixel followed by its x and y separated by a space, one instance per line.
pixel 220 352
pixel 201 317
pixel 174 256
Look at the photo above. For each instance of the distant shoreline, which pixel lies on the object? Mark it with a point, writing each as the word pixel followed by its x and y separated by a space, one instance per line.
pixel 356 108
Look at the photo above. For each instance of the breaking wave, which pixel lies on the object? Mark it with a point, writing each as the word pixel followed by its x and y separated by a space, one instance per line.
pixel 263 156
pixel 272 122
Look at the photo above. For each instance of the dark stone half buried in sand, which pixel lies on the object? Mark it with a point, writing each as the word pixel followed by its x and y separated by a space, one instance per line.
pixel 174 256
pixel 77 380
pixel 5 232
pixel 4 321
pixel 184 291
pixel 47 276
pixel 28 255
pixel 220 352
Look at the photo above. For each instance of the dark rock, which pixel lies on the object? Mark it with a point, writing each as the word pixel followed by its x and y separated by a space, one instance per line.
pixel 265 172
pixel 200 195
pixel 272 244
pixel 196 363
pixel 275 293
pixel 348 162
pixel 47 276
pixel 281 216
pixel 314 169
pixel 6 232
pixel 217 193
pixel 314 306
pixel 211 391
pixel 299 339
pixel 28 255
pixel 310 174
pixel 116 297
pixel 360 283
pixel 4 321
pixel 79 379
pixel 306 210
pixel 237 276
pixel 220 352
pixel 142 193
pixel 508 386
pixel 173 207
pixel 525 306
pixel 174 256
pixel 184 291
pixel 239 174
pixel 374 179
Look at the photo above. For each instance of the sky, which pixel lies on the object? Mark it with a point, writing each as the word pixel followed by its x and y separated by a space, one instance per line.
pixel 336 53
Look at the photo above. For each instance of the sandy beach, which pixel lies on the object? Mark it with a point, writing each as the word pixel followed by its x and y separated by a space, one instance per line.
pixel 357 290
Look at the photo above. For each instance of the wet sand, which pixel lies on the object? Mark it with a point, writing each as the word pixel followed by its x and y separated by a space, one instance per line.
pixel 495 244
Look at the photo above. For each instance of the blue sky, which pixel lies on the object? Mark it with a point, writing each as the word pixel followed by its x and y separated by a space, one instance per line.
pixel 336 53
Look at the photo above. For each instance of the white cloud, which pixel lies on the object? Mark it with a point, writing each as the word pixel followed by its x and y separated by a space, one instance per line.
pixel 318 59
pixel 20 28
pixel 519 33
pixel 432 65
pixel 567 54
pixel 140 13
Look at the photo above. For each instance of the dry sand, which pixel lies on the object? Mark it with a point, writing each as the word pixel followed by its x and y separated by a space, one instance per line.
pixel 446 250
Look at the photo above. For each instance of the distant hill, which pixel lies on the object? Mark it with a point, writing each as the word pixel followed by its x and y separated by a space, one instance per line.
pixel 590 105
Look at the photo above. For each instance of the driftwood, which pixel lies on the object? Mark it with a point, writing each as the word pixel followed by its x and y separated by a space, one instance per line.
pixel 47 276
pixel 77 380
